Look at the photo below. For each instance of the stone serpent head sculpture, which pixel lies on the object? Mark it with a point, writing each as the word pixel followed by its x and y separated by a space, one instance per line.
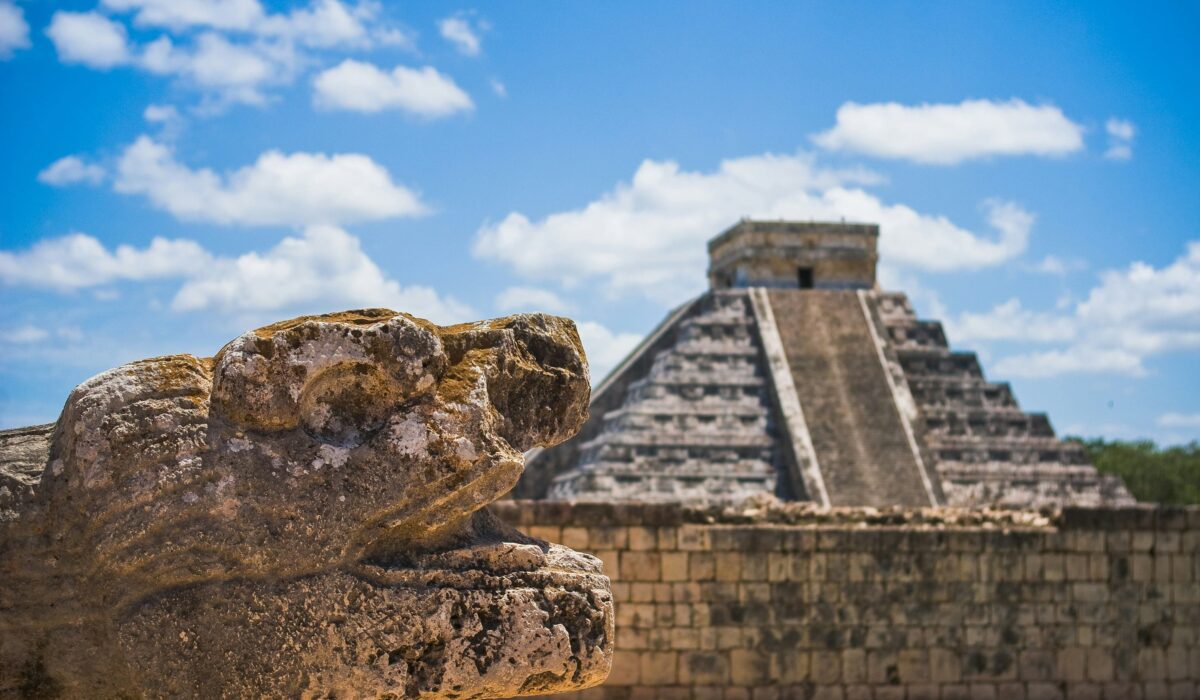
pixel 302 515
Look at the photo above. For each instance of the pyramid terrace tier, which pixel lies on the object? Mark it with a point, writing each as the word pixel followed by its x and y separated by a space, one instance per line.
pixel 718 350
pixel 1018 450
pixel 952 393
pixel 696 444
pixel 906 334
pixel 1030 486
pixel 611 483
pixel 740 420
pixel 696 378
pixel 673 367
pixel 671 398
pixel 702 467
pixel 727 314
pixel 941 423
pixel 679 461
pixel 670 408
pixel 924 363
pixel 894 307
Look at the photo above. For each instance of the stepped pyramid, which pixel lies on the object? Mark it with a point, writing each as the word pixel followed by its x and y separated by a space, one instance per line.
pixel 795 376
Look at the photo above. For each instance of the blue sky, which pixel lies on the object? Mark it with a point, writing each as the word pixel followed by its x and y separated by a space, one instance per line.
pixel 179 171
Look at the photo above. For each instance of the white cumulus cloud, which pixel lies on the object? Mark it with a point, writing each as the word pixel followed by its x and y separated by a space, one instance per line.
pixel 89 38
pixel 462 35
pixel 14 30
pixel 179 15
pixel 322 270
pixel 1131 315
pixel 1120 139
pixel 278 189
pixel 325 269
pixel 231 51
pixel 363 87
pixel 229 71
pixel 78 260
pixel 945 134
pixel 29 334
pixel 322 24
pixel 530 299
pixel 1076 360
pixel 1011 321
pixel 161 114
pixel 167 118
pixel 647 236
pixel 1057 266
pixel 70 170
pixel 325 24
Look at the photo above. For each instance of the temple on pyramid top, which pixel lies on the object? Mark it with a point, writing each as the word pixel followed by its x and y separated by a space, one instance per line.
pixel 794 255
pixel 795 375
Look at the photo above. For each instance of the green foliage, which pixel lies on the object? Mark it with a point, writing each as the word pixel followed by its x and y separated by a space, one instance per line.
pixel 1152 473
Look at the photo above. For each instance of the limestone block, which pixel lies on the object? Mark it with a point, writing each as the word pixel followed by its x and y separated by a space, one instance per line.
pixel 304 515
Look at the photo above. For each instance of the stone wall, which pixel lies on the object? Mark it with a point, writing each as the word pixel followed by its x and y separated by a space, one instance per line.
pixel 791 602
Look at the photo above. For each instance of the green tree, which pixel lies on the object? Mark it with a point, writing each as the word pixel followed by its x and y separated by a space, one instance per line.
pixel 1152 473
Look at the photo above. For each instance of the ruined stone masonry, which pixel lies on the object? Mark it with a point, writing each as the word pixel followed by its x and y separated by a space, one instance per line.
pixel 795 376
pixel 303 515
pixel 782 602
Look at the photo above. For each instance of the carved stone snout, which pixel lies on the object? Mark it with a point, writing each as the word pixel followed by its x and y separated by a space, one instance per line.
pixel 304 514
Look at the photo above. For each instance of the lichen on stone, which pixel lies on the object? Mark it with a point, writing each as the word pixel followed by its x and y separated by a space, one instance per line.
pixel 305 515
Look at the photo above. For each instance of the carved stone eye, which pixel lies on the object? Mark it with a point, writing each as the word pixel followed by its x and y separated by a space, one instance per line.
pixel 336 377
pixel 348 403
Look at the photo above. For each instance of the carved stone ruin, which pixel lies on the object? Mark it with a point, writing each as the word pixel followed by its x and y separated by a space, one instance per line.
pixel 302 515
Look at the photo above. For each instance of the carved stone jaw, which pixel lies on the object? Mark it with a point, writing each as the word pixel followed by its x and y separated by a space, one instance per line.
pixel 492 614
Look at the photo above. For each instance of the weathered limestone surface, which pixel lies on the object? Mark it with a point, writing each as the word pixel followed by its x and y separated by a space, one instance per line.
pixel 780 601
pixel 302 515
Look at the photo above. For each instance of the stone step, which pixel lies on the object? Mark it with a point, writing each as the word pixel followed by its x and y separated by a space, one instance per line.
pixel 697 378
pixel 702 423
pixel 894 307
pixel 715 365
pixel 655 397
pixel 1030 486
pixel 700 468
pixel 960 396
pixel 696 439
pixel 586 486
pixel 1007 470
pixel 1016 451
pixel 716 349
pixel 988 424
pixel 675 410
pixel 675 454
pixel 957 365
pixel 917 335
